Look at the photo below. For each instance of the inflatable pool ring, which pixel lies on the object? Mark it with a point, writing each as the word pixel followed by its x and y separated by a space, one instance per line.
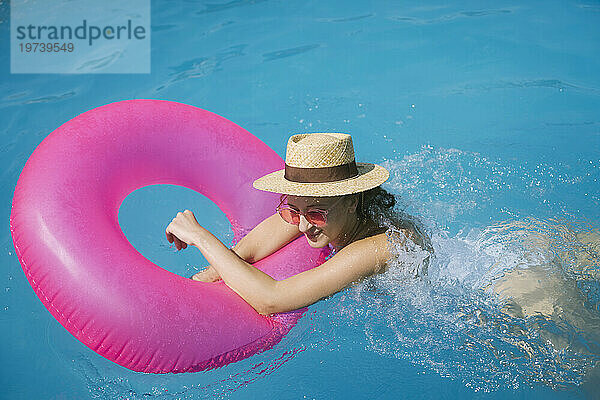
pixel 92 280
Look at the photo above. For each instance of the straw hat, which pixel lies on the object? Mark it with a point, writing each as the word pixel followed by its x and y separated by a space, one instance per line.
pixel 322 164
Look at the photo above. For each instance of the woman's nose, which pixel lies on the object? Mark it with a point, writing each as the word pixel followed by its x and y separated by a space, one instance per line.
pixel 304 225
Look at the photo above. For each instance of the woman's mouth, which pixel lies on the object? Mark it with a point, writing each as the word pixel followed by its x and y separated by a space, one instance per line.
pixel 312 237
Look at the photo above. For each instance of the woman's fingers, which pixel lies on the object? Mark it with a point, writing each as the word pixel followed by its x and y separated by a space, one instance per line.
pixel 197 276
pixel 208 275
pixel 179 244
pixel 183 229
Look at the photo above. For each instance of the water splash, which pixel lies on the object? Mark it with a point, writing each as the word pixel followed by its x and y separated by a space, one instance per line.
pixel 456 189
pixel 461 322
pixel 513 303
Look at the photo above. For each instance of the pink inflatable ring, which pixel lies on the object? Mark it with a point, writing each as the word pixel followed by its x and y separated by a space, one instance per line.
pixel 96 284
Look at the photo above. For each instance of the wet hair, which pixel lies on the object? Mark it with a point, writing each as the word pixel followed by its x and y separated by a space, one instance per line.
pixel 375 203
pixel 383 208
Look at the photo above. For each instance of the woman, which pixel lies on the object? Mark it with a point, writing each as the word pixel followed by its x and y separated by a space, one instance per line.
pixel 327 197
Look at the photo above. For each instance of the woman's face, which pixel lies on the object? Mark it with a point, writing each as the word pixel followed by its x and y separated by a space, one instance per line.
pixel 340 216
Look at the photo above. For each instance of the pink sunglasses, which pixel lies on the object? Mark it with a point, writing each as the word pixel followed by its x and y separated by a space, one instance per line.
pixel 316 217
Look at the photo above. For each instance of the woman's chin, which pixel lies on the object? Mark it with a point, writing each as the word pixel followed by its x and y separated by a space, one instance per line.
pixel 317 244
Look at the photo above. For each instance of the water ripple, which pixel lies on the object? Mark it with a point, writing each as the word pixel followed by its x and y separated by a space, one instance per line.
pixel 289 52
pixel 164 27
pixel 346 19
pixel 583 123
pixel 591 7
pixel 100 63
pixel 450 17
pixel 521 84
pixel 21 98
pixel 202 66
pixel 212 7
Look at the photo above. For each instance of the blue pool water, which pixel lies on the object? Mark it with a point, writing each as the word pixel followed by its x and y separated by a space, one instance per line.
pixel 485 113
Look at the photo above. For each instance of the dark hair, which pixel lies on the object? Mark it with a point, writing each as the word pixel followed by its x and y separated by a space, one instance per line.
pixel 374 203
pixel 382 208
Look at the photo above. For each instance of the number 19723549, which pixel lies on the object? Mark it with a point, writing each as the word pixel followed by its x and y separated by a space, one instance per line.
pixel 42 47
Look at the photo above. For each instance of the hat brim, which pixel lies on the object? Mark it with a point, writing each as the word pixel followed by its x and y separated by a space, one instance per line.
pixel 369 176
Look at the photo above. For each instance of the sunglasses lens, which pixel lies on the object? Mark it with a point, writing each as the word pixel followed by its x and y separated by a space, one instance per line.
pixel 316 218
pixel 289 216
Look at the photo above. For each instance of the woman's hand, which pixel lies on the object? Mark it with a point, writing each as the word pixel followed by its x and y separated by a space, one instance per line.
pixel 183 230
pixel 208 275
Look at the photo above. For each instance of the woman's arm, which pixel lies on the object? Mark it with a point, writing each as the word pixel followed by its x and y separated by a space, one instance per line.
pixel 266 295
pixel 354 262
pixel 264 239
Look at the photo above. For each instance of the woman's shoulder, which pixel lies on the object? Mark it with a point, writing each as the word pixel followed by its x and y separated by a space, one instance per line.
pixel 396 235
pixel 373 249
pixel 382 244
pixel 399 234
